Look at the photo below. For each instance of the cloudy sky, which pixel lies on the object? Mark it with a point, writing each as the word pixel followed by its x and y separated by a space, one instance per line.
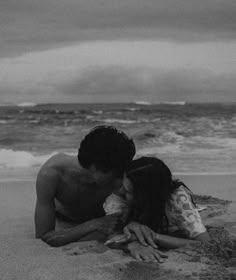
pixel 117 50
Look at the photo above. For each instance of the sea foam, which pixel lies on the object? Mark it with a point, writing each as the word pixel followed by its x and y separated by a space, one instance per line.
pixel 26 104
pixel 18 159
pixel 142 102
pixel 10 159
pixel 119 121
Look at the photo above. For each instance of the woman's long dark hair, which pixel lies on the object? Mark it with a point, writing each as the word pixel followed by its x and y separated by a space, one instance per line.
pixel 152 187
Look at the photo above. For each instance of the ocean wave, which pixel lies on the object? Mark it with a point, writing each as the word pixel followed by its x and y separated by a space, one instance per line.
pixel 3 122
pixel 174 102
pixel 97 112
pixel 210 144
pixel 6 105
pixel 157 150
pixel 119 121
pixel 14 159
pixel 132 109
pixel 141 102
pixel 27 104
pixel 171 143
pixel 14 121
pixel 8 121
pixel 33 121
pixel 187 164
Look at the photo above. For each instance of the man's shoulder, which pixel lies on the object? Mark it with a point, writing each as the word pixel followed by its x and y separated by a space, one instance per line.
pixel 51 174
pixel 56 165
pixel 52 165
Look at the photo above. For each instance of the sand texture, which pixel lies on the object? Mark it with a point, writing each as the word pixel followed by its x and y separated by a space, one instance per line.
pixel 23 257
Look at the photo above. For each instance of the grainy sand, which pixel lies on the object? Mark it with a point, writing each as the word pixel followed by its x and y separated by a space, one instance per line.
pixel 23 257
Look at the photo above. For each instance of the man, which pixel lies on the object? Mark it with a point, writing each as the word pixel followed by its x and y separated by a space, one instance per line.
pixel 75 187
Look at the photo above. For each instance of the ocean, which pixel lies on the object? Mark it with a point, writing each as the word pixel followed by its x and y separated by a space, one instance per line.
pixel 190 138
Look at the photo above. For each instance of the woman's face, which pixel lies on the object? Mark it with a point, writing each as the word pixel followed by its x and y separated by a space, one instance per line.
pixel 126 191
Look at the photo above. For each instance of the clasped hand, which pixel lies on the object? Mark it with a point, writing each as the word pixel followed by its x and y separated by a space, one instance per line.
pixel 135 231
pixel 144 250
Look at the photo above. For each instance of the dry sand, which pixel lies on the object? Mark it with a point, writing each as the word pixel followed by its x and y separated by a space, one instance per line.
pixel 23 257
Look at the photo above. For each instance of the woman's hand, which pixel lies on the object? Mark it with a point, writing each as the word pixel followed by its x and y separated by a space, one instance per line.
pixel 145 253
pixel 144 234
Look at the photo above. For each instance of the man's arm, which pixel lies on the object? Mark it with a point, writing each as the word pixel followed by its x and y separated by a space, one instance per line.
pixel 171 242
pixel 45 216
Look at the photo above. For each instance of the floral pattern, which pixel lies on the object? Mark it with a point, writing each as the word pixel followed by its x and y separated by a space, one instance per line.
pixel 182 215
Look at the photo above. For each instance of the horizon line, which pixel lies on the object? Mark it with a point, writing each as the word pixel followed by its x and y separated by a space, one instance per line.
pixel 142 103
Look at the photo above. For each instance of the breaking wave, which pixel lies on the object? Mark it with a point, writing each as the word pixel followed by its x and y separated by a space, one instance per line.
pixel 27 104
pixel 119 121
pixel 18 159
pixel 174 102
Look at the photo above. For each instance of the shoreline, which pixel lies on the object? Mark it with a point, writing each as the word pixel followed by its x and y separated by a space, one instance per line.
pixel 219 185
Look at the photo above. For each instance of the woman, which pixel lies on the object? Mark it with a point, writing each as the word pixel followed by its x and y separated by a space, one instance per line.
pixel 157 210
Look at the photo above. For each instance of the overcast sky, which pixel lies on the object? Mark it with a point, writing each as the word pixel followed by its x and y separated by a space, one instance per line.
pixel 117 51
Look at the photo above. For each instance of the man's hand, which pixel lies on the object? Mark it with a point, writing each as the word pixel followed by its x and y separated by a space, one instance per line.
pixel 107 224
pixel 145 253
pixel 144 234
pixel 120 238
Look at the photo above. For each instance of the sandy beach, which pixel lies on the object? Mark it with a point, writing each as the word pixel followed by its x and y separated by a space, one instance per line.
pixel 24 257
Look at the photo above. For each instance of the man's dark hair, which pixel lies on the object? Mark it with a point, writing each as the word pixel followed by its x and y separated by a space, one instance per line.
pixel 108 149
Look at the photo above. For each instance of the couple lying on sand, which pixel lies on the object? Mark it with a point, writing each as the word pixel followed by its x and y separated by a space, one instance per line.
pixel 133 205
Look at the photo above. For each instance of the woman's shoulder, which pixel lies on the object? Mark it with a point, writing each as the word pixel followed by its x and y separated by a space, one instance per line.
pixel 182 213
pixel 179 201
pixel 180 195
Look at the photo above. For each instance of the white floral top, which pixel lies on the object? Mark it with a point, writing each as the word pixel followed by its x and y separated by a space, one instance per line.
pixel 182 215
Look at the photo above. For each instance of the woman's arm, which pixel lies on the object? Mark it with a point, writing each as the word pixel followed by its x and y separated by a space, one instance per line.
pixel 184 216
pixel 147 237
pixel 171 242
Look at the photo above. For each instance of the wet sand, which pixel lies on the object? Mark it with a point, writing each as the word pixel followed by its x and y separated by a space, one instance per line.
pixel 24 257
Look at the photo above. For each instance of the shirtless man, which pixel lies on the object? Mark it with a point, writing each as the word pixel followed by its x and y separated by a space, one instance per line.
pixel 75 187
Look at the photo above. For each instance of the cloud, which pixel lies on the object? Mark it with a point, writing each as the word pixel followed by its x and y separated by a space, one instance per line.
pixel 27 25
pixel 121 71
pixel 118 84
pixel 128 84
